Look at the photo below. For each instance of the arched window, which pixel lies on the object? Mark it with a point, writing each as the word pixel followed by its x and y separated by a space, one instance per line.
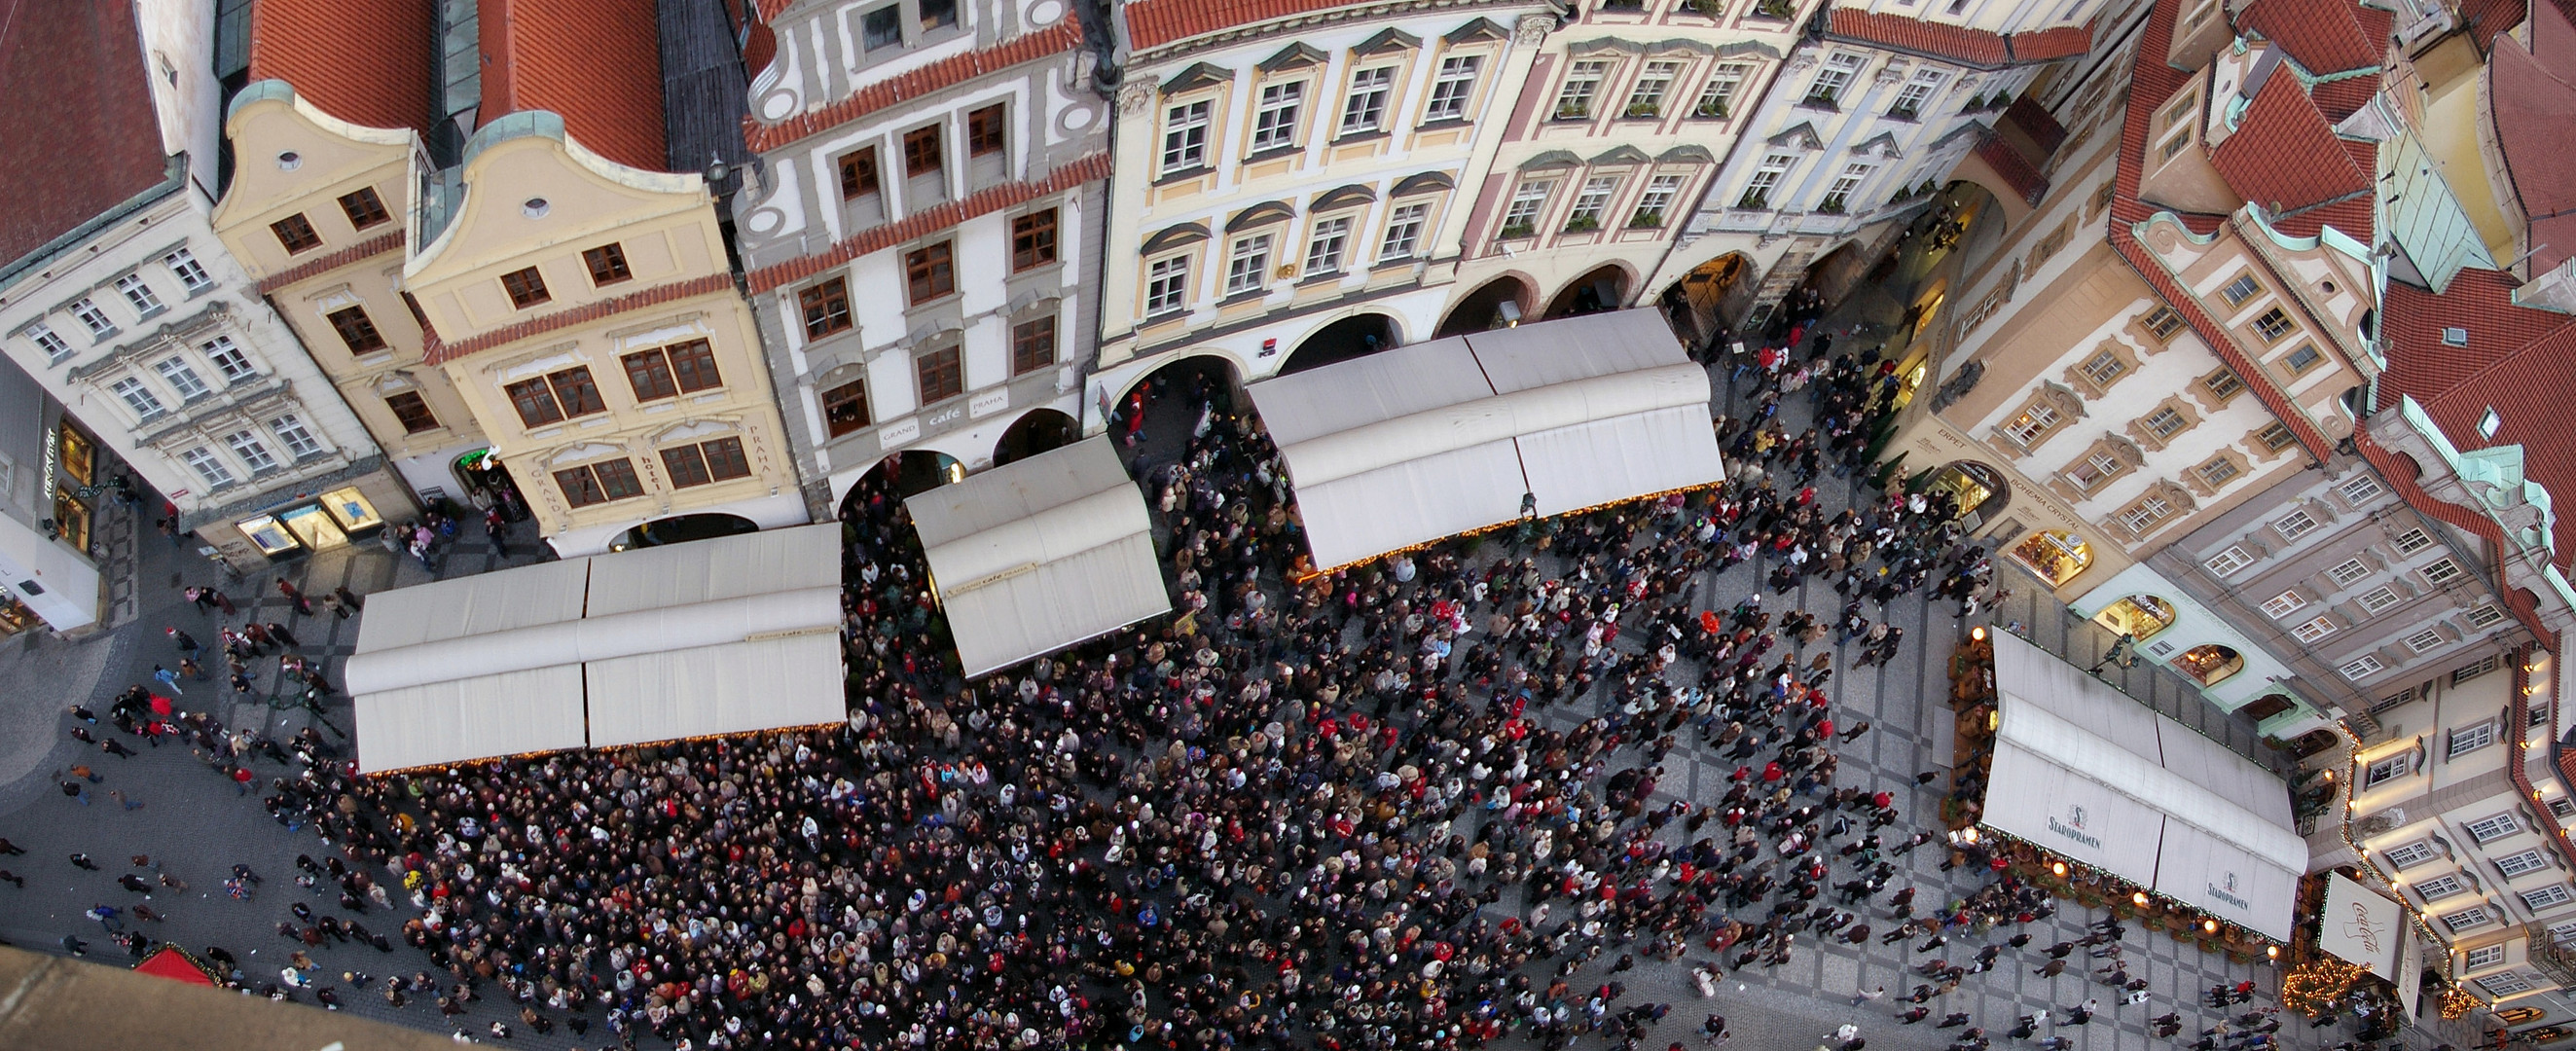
pixel 2210 664
pixel 2055 555
pixel 2138 616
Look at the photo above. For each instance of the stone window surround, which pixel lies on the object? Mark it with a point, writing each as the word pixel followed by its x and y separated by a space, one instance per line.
pixel 2138 432
pixel 2059 398
pixel 2118 448
pixel 2120 349
pixel 2192 480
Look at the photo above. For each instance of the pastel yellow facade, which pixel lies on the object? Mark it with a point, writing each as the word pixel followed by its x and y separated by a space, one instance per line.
pixel 585 313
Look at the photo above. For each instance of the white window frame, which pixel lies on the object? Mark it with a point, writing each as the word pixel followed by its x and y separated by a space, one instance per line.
pixel 2314 628
pixel 2483 957
pixel 2442 571
pixel 2229 560
pixel 138 396
pixel 253 453
pixel 2505 983
pixel 1274 121
pixel 2425 641
pixel 2473 916
pixel 2486 615
pixel 2362 667
pixel 1838 194
pixel 1592 202
pixel 2521 864
pixel 1167 286
pixel 1364 109
pixel 2348 572
pixel 2145 515
pixel 2360 489
pixel 2549 897
pixel 2294 525
pixel 1654 84
pixel 1247 265
pixel 1528 203
pixel 1453 87
pixel 56 348
pixel 2467 739
pixel 2412 541
pixel 1757 189
pixel 2439 887
pixel 1327 246
pixel 182 378
pixel 2032 423
pixel 210 468
pixel 229 360
pixel 91 317
pixel 1910 99
pixel 2492 828
pixel 1185 135
pixel 138 293
pixel 184 266
pixel 1834 76
pixel 2387 768
pixel 1582 86
pixel 297 438
pixel 2380 598
pixel 1723 82
pixel 1403 232
pixel 2284 604
pixel 2408 855
pixel 1656 201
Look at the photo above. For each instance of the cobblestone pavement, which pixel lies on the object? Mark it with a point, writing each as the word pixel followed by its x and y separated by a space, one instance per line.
pixel 197 830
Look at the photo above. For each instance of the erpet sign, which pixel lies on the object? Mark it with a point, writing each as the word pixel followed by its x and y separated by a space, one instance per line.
pixel 2361 926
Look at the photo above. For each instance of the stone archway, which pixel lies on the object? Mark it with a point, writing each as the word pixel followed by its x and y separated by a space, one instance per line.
pixel 1036 431
pixel 1712 298
pixel 680 529
pixel 1502 301
pixel 1603 288
pixel 898 476
pixel 1356 336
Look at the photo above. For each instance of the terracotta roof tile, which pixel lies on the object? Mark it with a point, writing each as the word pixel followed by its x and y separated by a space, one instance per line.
pixel 2047 44
pixel 2486 18
pixel 2338 99
pixel 596 63
pixel 2151 84
pixel 1089 168
pixel 2326 36
pixel 2283 155
pixel 322 264
pixel 2533 111
pixel 2479 301
pixel 2527 388
pixel 948 72
pixel 1154 23
pixel 2400 473
pixel 2037 122
pixel 439 351
pixel 1974 47
pixel 364 61
pixel 2016 169
pixel 77 133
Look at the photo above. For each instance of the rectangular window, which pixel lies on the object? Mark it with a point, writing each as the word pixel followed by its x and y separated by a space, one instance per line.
pixel 1646 98
pixel 2302 359
pixel 2469 739
pixel 412 412
pixel 2547 897
pixel 564 395
pixel 45 339
pixel 1403 232
pixel 2223 384
pixel 363 207
pixel 725 459
pixel 1247 268
pixel 1591 201
pixel 2485 956
pixel 705 463
pixel 2439 887
pixel 92 317
pixel 2516 864
pixel 182 379
pixel 2474 916
pixel 2391 768
pixel 2164 423
pixel 1653 204
pixel 1757 190
pixel 2412 854
pixel 2380 598
pixel 649 373
pixel 527 287
pixel 1522 217
pixel 599 483
pixel 2412 541
pixel 2284 604
pixel 2105 367
pixel 184 267
pixel 2163 322
pixel 2362 667
pixel 858 173
pixel 1032 345
pixel 2032 425
pixel 2486 616
pixel 2217 472
pixel 357 330
pixel 1185 130
pixel 1033 240
pixel 845 408
pixel 2294 525
pixel 2274 324
pixel 296 234
pixel 929 273
pixel 1450 90
pixel 137 396
pixel 826 307
pixel 2316 628
pixel 1838 195
pixel 1827 89
pixel 2360 489
pixel 882 27
pixel 535 402
pixel 942 375
pixel 2476 668
pixel 229 359
pixel 937 14
pixel 2276 437
pixel 2181 111
pixel 2096 469
pixel 299 441
pixel 1274 121
pixel 2229 561
pixel 693 364
pixel 1909 101
pixel 2240 290
pixel 2443 572
pixel 138 293
pixel 2144 514
pixel 2563 933
pixel 254 453
pixel 2486 830
pixel 1582 85
pixel 210 470
pixel 2348 571
pixel 2505 983
pixel 607 264
pixel 1167 285
pixel 1365 109
pixel 1324 250
pixel 1717 97
pixel 921 154
pixel 984 133
pixel 2425 640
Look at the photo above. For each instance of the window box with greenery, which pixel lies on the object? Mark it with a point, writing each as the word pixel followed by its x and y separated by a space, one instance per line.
pixel 1582 224
pixel 1904 113
pixel 1822 98
pixel 1708 8
pixel 1713 109
pixel 1776 8
pixel 1754 200
pixel 1646 219
pixel 1574 109
pixel 1515 232
pixel 1644 110
pixel 1833 204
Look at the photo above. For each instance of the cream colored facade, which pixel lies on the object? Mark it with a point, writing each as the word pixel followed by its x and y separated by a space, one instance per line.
pixel 625 384
pixel 343 293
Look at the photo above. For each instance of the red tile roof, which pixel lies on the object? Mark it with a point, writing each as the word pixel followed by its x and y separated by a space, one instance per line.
pixel 2047 44
pixel 1089 168
pixel 1974 47
pixel 77 132
pixel 596 63
pixel 2326 36
pixel 2338 99
pixel 2478 300
pixel 2532 105
pixel 2283 155
pixel 2037 122
pixel 2400 472
pixel 363 61
pixel 322 264
pixel 2152 83
pixel 439 351
pixel 2528 390
pixel 1154 23
pixel 2486 18
pixel 948 72
pixel 2015 169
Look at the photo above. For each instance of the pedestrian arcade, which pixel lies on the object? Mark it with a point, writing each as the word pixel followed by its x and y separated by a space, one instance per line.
pixel 1039 554
pixel 1409 446
pixel 2083 771
pixel 731 635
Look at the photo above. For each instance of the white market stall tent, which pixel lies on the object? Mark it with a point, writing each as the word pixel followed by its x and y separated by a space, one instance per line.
pixel 730 635
pixel 2083 770
pixel 1410 445
pixel 1039 554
